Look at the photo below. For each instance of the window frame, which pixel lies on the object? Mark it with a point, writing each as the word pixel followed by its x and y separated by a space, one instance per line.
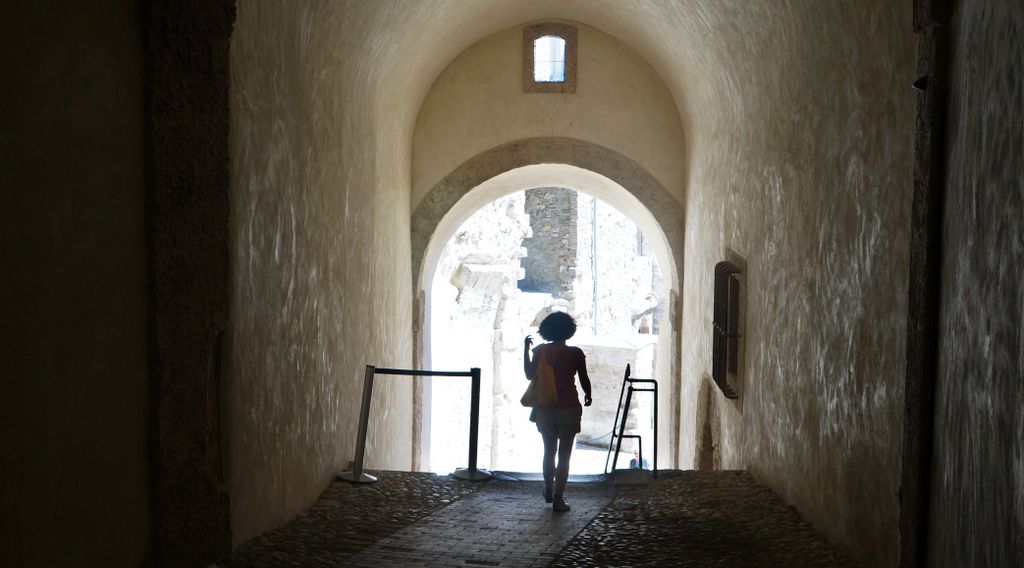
pixel 727 326
pixel 531 34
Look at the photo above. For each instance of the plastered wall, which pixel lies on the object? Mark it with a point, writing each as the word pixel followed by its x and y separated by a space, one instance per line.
pixel 797 125
pixel 73 399
pixel 793 149
pixel 477 103
pixel 797 129
pixel 794 144
pixel 320 226
pixel 977 504
pixel 806 174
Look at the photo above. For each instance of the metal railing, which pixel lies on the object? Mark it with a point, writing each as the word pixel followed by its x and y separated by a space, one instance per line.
pixel 623 411
pixel 470 473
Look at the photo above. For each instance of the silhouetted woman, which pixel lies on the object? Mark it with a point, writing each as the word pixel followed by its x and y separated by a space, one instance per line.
pixel 559 423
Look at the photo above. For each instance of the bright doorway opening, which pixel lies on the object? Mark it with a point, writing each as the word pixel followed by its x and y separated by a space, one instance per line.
pixel 504 268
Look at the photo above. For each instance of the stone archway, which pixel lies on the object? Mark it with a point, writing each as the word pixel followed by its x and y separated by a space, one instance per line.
pixel 445 206
pixel 555 150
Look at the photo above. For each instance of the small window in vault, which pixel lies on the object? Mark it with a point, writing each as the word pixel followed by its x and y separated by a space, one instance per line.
pixel 549 59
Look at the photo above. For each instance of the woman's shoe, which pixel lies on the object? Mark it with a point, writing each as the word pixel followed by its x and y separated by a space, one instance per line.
pixel 559 505
pixel 548 497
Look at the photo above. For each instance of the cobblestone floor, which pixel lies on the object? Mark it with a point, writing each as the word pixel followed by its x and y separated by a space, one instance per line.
pixel 699 518
pixel 506 523
pixel 349 518
pixel 418 519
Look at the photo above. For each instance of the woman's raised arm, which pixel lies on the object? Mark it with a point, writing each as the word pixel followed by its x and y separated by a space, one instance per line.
pixel 528 366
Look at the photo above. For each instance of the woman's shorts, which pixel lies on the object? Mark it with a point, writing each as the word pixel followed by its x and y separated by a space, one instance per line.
pixel 557 420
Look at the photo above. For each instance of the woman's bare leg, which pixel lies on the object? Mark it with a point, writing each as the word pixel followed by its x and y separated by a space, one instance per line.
pixel 565 444
pixel 550 447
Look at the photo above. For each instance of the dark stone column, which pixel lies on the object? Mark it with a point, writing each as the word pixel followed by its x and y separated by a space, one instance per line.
pixel 187 209
pixel 930 20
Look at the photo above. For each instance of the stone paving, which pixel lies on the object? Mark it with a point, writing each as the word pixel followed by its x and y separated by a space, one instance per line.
pixel 349 518
pixel 699 519
pixel 507 523
pixel 416 519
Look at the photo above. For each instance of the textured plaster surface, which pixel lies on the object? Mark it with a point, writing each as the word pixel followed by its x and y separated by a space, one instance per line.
pixel 478 103
pixel 785 158
pixel 795 121
pixel 796 125
pixel 320 255
pixel 977 506
pixel 808 176
pixel 74 487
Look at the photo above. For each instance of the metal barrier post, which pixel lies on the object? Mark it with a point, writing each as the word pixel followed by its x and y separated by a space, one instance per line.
pixel 357 475
pixel 618 409
pixel 625 415
pixel 654 472
pixel 623 411
pixel 471 473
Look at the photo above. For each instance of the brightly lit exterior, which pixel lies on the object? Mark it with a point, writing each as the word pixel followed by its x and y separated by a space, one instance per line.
pixel 549 59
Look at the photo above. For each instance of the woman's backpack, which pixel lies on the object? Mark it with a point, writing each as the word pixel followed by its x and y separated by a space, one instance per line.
pixel 542 391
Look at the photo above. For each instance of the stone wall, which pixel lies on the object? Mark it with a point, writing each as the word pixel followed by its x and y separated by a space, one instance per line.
pixel 550 262
pixel 319 264
pixel 618 289
pixel 621 104
pixel 805 172
pixel 189 294
pixel 977 501
pixel 797 124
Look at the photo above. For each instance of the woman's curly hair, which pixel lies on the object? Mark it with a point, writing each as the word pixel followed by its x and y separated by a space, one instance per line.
pixel 558 326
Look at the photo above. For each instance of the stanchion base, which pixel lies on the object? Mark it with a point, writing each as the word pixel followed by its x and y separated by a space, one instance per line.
pixel 466 474
pixel 351 477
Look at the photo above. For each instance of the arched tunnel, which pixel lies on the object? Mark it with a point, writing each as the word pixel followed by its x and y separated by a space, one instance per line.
pixel 223 212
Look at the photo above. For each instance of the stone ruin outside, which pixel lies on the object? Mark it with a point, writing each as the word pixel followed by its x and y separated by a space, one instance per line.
pixel 510 264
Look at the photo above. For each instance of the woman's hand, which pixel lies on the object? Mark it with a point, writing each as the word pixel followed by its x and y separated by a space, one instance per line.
pixel 587 401
pixel 527 366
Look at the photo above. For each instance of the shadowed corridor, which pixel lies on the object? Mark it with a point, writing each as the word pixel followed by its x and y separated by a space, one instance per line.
pixel 217 213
